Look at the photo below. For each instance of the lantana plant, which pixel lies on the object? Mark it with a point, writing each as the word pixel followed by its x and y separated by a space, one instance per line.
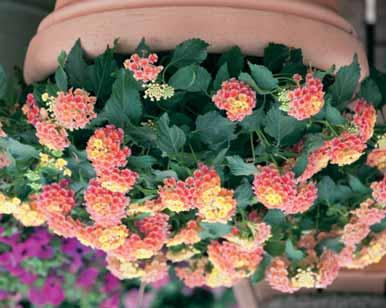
pixel 216 167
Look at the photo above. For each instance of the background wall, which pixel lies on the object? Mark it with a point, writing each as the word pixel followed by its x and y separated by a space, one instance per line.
pixel 20 18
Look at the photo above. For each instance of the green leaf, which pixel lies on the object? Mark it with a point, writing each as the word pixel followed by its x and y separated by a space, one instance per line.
pixel 331 243
pixel 235 60
pixel 192 78
pixel 292 252
pixel 275 55
pixel 250 81
pixel 214 230
pixel 275 247
pixel 244 195
pixel 170 139
pixel 263 77
pixel 160 175
pixel 125 104
pixel 61 79
pixel 357 186
pixel 18 150
pixel 221 76
pixel 100 75
pixel 141 162
pixel 238 167
pixel 333 115
pixel 278 125
pixel 3 82
pixel 274 218
pixel 142 136
pixel 380 80
pixel 218 160
pixel 215 130
pixel 370 92
pixel 76 66
pixel 301 164
pixel 330 192
pixel 252 123
pixel 193 51
pixel 259 274
pixel 346 82
pixel 142 49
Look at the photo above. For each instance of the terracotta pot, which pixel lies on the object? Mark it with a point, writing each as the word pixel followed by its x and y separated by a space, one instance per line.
pixel 370 280
pixel 313 25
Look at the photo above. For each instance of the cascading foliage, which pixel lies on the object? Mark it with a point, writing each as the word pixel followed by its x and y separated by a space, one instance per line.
pixel 220 167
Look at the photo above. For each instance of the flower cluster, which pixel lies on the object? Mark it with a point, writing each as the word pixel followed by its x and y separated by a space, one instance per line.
pixel 377 157
pixel 144 68
pixel 276 191
pixel 305 101
pixel 236 98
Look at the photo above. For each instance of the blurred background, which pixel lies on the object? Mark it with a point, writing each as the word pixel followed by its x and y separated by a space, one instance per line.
pixel 20 18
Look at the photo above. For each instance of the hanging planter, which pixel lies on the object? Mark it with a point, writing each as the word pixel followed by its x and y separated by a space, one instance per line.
pixel 223 163
pixel 325 37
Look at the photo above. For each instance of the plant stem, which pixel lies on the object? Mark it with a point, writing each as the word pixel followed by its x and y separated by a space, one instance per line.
pixel 252 147
pixel 141 294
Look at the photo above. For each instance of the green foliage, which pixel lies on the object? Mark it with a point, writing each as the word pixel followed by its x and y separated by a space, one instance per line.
pixel 171 139
pixel 3 82
pixel 189 52
pixel 192 78
pixel 238 167
pixel 76 66
pixel 263 77
pixel 292 252
pixel 214 230
pixel 234 59
pixel 345 83
pixel 370 92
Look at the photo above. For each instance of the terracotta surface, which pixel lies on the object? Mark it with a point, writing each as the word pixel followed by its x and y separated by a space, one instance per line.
pixel 369 280
pixel 313 25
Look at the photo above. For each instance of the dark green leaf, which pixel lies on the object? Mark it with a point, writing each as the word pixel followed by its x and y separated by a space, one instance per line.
pixel 125 104
pixel 357 186
pixel 331 243
pixel 214 231
pixel 235 60
pixel 252 123
pixel 263 77
pixel 260 272
pixel 333 115
pixel 76 66
pixel 193 51
pixel 275 247
pixel 238 167
pixel 274 218
pixel 346 82
pixel 222 75
pixel 141 162
pixel 192 78
pixel 275 55
pixel 3 82
pixel 170 139
pixel 18 150
pixel 142 49
pixel 370 92
pixel 100 75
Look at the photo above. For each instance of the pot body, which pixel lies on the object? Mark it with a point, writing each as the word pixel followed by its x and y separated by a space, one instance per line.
pixel 313 25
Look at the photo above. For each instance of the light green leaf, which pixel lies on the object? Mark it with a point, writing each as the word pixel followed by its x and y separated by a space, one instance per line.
pixel 238 167
pixel 278 125
pixel 346 82
pixel 263 77
pixel 18 150
pixel 292 252
pixel 170 139
pixel 192 78
pixel 193 51
pixel 214 230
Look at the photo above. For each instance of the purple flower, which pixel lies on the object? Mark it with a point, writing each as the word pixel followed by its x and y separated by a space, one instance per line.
pixel 111 302
pixel 111 283
pixel 50 294
pixel 87 277
pixel 4 295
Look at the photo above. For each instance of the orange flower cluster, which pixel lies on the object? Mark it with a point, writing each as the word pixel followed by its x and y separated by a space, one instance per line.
pixel 194 275
pixel 74 109
pixel 117 180
pixel 328 269
pixel 260 233
pixel 2 132
pixel 105 207
pixel 278 277
pixel 306 101
pixel 175 195
pixel 56 198
pixel 233 260
pixel 379 191
pixel 104 148
pixel 364 119
pixel 346 149
pixel 276 191
pixel 188 235
pixel 144 68
pixel 5 161
pixel 214 203
pixel 317 161
pixel 377 157
pixel 153 232
pixel 237 98
pixel 28 214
